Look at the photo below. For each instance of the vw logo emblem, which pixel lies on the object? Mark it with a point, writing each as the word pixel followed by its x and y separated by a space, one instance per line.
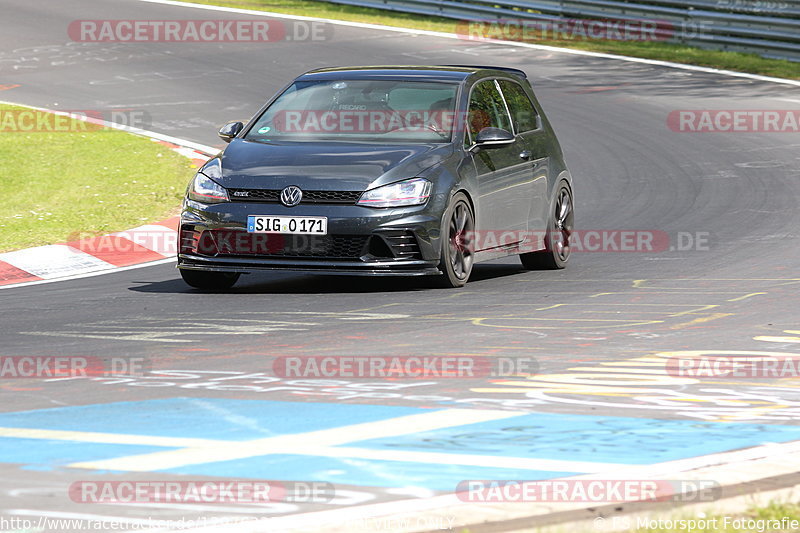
pixel 291 196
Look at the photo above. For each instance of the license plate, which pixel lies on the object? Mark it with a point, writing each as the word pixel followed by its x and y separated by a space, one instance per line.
pixel 287 225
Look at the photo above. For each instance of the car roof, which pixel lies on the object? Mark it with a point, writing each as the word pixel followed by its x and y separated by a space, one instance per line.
pixel 451 73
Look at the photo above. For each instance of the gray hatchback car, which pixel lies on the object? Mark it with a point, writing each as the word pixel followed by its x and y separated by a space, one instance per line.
pixel 383 170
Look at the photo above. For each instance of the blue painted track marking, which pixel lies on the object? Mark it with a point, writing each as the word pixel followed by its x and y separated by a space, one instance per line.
pixel 211 418
pixel 45 454
pixel 635 441
pixel 351 471
pixel 547 436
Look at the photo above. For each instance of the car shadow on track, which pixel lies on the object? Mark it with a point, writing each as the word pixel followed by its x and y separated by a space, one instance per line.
pixel 300 283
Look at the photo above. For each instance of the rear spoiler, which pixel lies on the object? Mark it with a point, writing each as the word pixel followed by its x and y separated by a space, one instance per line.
pixel 515 71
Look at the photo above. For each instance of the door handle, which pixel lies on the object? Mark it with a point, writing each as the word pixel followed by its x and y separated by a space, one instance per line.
pixel 526 155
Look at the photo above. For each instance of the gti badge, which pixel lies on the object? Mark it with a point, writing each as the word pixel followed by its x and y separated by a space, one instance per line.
pixel 291 196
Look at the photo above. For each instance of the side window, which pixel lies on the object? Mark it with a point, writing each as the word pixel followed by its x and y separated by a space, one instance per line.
pixel 486 109
pixel 522 111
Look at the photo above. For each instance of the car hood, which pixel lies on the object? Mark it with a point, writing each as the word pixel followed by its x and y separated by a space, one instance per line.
pixel 328 166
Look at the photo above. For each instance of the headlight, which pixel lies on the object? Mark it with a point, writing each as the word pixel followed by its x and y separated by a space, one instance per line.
pixel 204 189
pixel 409 192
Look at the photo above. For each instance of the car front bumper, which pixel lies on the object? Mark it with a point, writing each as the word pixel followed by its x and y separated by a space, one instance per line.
pixel 360 240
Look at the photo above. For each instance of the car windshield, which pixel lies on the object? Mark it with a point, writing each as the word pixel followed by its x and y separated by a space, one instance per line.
pixel 360 110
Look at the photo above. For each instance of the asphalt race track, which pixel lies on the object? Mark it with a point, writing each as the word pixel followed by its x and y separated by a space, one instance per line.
pixel 600 330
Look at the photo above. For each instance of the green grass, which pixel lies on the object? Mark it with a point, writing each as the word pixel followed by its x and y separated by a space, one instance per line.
pixel 55 185
pixel 645 49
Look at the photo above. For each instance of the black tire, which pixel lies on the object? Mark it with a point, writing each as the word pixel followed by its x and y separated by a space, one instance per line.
pixel 206 280
pixel 457 249
pixel 560 226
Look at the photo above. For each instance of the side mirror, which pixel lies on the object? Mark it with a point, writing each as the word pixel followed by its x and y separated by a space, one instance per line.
pixel 230 130
pixel 490 137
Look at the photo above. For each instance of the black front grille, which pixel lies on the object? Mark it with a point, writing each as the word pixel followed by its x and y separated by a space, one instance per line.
pixel 332 197
pixel 255 195
pixel 309 197
pixel 404 244
pixel 240 243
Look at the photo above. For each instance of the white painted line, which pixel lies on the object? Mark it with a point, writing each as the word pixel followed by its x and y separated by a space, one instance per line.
pixel 208 150
pixel 90 274
pixel 629 59
pixel 229 451
pixel 329 451
pixel 767 338
pixel 105 438
pixel 490 461
pixel 56 264
pixel 54 261
pixel 189 152
pixel 144 337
